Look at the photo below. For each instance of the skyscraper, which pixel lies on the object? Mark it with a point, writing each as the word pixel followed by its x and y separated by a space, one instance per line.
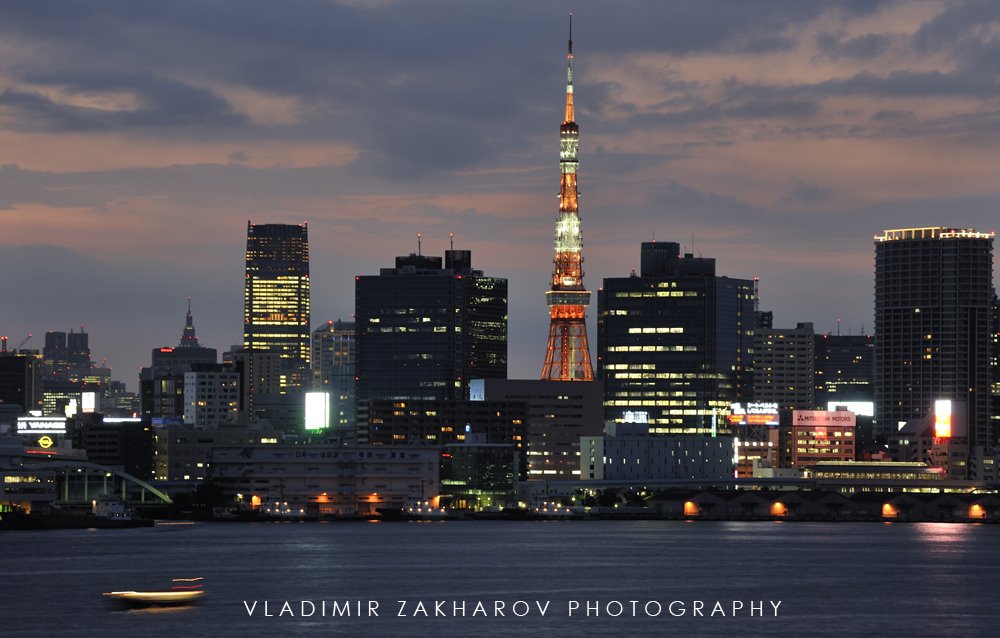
pixel 567 356
pixel 333 369
pixel 783 366
pixel 162 384
pixel 845 368
pixel 674 343
pixel 933 296
pixel 276 297
pixel 424 331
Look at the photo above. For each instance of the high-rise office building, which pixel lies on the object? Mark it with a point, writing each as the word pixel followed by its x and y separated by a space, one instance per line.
pixel 783 366
pixel 55 353
pixel 78 346
pixel 933 296
pixel 333 369
pixel 162 383
pixel 21 381
pixel 674 343
pixel 65 352
pixel 425 330
pixel 567 356
pixel 276 297
pixel 845 369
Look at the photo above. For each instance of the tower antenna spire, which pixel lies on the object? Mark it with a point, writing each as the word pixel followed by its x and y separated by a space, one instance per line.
pixel 418 244
pixel 571 33
pixel 570 113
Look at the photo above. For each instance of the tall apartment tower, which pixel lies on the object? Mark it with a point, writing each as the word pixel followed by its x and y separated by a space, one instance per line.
pixel 276 297
pixel 933 300
pixel 567 356
pixel 784 366
pixel 425 330
pixel 333 368
pixel 674 343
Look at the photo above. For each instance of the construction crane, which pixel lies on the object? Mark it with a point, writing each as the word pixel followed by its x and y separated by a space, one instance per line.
pixel 4 340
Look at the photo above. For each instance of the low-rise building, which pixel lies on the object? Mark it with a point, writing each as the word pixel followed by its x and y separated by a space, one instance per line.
pixel 324 479
pixel 627 451
pixel 558 413
pixel 184 453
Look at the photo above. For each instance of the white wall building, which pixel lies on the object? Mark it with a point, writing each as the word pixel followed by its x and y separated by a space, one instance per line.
pixel 211 397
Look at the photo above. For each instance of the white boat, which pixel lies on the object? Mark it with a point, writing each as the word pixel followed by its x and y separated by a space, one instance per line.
pixel 186 594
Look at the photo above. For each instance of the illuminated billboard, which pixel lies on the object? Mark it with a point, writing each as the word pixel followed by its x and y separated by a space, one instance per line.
pixel 317 410
pixel 88 401
pixel 759 413
pixel 942 419
pixel 824 418
pixel 861 408
pixel 41 425
pixel 633 416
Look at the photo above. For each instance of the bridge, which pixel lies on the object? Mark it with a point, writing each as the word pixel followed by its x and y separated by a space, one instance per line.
pixel 80 482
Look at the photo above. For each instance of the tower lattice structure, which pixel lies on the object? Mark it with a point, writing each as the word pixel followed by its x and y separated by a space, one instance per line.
pixel 567 357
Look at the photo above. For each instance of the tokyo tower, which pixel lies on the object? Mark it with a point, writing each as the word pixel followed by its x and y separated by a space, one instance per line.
pixel 567 357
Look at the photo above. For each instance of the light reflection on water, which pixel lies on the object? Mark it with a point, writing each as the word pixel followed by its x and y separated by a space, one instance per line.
pixel 833 579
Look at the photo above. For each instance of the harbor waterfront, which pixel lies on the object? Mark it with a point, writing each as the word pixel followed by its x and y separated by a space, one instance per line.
pixel 589 577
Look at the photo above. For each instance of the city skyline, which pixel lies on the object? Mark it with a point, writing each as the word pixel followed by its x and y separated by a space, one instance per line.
pixel 126 181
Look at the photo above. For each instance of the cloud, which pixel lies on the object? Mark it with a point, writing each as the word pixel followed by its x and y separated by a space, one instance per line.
pixel 140 137
pixel 862 47
pixel 805 193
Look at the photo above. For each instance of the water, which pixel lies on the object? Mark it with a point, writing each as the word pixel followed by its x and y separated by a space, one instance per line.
pixel 833 579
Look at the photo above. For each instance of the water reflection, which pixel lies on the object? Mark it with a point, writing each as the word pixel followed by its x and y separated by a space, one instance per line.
pixel 941 532
pixel 154 610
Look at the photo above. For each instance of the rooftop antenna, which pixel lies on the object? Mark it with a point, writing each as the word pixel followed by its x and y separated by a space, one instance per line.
pixel 451 240
pixel 418 244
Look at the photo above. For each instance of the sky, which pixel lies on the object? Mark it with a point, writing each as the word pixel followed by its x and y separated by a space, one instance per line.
pixel 137 139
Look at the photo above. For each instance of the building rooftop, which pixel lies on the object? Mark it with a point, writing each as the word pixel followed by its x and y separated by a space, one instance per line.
pixel 932 232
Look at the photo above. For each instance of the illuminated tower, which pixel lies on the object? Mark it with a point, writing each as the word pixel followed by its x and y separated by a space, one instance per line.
pixel 567 357
pixel 276 301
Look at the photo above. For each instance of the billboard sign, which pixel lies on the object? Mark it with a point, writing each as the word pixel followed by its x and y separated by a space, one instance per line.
pixel 824 418
pixel 861 408
pixel 756 413
pixel 942 419
pixel 41 425
pixel 317 410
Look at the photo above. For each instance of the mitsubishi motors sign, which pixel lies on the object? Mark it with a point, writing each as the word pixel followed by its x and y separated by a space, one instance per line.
pixel 824 418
